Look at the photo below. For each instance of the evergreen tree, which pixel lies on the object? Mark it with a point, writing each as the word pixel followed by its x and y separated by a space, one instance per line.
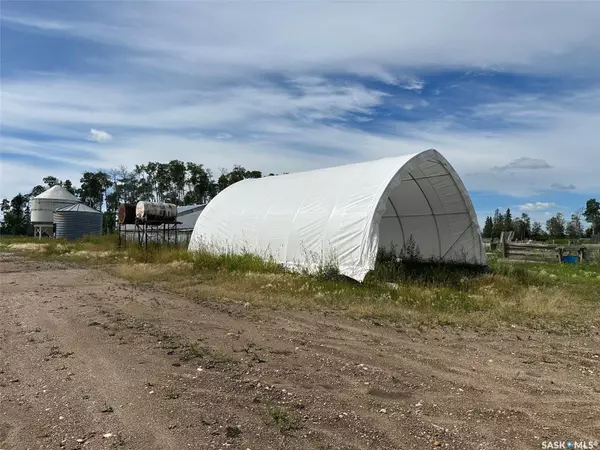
pixel 488 227
pixel 497 224
pixel 508 221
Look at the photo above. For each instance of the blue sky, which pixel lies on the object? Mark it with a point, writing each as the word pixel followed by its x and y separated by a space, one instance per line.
pixel 508 92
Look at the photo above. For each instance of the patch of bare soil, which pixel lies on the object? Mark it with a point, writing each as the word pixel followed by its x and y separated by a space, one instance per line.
pixel 91 361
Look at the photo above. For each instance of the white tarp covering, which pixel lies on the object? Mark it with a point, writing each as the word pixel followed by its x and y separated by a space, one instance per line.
pixel 342 215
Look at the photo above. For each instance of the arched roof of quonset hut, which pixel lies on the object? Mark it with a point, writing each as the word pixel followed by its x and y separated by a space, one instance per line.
pixel 344 214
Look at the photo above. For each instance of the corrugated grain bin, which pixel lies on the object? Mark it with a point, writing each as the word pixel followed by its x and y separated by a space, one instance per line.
pixel 75 221
pixel 44 205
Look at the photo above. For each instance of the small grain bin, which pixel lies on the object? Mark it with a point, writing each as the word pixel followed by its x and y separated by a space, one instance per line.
pixel 78 220
pixel 44 205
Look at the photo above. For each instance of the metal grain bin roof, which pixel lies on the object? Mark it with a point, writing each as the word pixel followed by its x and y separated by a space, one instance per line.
pixel 57 193
pixel 78 207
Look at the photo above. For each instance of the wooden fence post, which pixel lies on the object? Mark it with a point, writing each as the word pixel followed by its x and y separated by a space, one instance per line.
pixel 560 254
pixel 503 244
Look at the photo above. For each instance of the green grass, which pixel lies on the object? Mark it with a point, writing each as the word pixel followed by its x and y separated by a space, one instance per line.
pixel 194 351
pixel 282 419
pixel 542 296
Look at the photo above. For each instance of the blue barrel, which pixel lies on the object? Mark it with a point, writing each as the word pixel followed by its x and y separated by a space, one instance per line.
pixel 570 259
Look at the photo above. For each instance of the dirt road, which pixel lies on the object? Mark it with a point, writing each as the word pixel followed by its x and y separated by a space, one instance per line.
pixel 91 361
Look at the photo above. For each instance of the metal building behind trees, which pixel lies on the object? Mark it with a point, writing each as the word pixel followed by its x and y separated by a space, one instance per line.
pixel 75 221
pixel 186 220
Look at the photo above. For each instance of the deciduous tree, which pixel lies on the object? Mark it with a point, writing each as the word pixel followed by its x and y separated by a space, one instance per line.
pixel 16 215
pixel 556 226
pixel 51 181
pixel 93 188
pixel 592 214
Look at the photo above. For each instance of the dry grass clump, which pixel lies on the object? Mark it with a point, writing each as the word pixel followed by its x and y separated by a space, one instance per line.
pixel 27 247
pixel 89 254
pixel 148 272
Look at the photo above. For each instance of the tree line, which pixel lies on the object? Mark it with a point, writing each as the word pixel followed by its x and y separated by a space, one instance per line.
pixel 556 227
pixel 188 183
pixel 178 182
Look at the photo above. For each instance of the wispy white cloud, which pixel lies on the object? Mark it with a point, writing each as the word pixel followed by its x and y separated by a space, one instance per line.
pixel 59 101
pixel 563 187
pixel 309 36
pixel 414 85
pixel 100 136
pixel 537 206
pixel 525 163
pixel 269 118
pixel 194 72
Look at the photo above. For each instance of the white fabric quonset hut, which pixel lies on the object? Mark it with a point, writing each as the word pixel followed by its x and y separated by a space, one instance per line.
pixel 344 214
